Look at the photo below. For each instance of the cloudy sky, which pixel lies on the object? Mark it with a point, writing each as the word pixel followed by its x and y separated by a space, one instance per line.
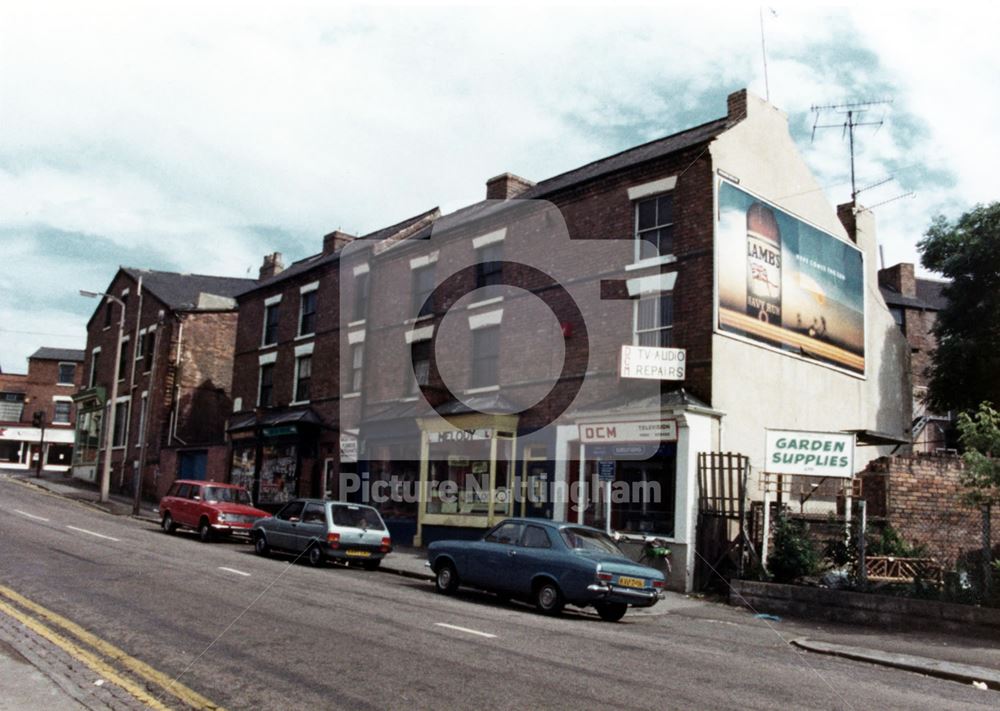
pixel 193 138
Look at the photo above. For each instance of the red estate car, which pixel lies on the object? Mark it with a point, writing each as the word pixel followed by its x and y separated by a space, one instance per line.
pixel 209 507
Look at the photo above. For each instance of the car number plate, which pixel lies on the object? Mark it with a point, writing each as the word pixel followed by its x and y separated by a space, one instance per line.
pixel 361 554
pixel 631 582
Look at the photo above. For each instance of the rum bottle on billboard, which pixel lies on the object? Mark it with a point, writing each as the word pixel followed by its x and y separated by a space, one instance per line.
pixel 763 265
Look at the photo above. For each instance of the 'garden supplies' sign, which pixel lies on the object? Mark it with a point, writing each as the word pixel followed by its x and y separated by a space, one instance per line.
pixel 809 453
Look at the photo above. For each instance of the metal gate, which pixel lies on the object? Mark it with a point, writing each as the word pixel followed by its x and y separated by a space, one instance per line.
pixel 722 545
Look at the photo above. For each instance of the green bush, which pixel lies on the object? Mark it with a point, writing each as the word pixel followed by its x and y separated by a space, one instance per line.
pixel 793 555
pixel 889 542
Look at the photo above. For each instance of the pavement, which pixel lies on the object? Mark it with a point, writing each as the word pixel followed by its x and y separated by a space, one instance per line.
pixel 968 660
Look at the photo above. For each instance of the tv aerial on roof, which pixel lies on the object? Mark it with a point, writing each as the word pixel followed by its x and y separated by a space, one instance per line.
pixel 853 112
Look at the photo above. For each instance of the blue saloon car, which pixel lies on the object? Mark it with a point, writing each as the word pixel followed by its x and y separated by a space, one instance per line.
pixel 550 564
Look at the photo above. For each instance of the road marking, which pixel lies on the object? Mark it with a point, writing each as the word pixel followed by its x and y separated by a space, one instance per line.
pixel 466 630
pixel 233 570
pixel 25 513
pixel 92 661
pixel 186 695
pixel 91 533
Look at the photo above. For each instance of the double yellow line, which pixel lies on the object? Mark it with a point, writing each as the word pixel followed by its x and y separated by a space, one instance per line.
pixel 15 605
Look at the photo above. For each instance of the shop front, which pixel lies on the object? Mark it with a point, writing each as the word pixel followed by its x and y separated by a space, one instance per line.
pixel 90 408
pixel 274 457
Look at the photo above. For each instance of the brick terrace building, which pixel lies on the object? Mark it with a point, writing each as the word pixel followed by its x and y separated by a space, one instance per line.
pixel 53 376
pixel 286 439
pixel 727 249
pixel 174 378
pixel 914 303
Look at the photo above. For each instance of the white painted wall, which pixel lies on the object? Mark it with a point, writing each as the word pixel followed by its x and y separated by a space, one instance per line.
pixel 757 387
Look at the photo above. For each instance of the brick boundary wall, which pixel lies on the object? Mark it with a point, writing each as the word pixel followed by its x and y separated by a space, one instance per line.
pixel 920 496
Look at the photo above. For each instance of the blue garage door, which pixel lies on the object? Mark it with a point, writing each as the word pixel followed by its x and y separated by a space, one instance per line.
pixel 193 464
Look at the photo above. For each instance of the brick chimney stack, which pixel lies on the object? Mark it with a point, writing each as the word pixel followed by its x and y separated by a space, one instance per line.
pixel 335 241
pixel 272 265
pixel 900 278
pixel 506 186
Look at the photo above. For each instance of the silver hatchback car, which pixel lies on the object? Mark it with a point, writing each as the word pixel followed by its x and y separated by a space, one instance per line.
pixel 325 530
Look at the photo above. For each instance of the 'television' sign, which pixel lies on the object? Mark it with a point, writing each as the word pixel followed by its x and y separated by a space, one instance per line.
pixel 809 453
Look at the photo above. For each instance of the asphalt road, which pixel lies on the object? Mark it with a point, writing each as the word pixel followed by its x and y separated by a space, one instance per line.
pixel 249 632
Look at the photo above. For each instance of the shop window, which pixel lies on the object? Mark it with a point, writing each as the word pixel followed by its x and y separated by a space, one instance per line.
pixel 123 359
pixel 278 474
pixel 66 373
pixel 654 223
pixel 655 320
pixel 265 397
pixel 270 324
pixel 489 270
pixel 303 376
pixel 485 356
pixel 357 366
pixel 120 435
pixel 420 355
pixel 423 285
pixel 62 411
pixel 360 296
pixel 244 463
pixel 307 313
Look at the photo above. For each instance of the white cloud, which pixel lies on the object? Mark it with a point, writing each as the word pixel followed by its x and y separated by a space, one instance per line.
pixel 177 132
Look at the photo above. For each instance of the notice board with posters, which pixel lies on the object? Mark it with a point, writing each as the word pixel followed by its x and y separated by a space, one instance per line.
pixel 786 283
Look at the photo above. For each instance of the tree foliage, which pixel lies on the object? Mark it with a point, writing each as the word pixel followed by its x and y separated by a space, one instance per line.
pixel 980 437
pixel 966 364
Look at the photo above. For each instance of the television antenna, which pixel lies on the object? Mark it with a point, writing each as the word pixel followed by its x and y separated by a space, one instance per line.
pixel 853 112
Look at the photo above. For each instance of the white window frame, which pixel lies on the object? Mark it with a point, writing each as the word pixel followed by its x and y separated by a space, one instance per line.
pixel 69 414
pixel 635 317
pixel 295 381
pixel 61 364
pixel 640 193
pixel 127 400
pixel 92 381
pixel 271 301
pixel 140 344
pixel 123 360
pixel 309 288
pixel 143 407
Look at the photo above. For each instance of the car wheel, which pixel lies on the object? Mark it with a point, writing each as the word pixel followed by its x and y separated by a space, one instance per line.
pixel 371 564
pixel 315 556
pixel 446 580
pixel 168 524
pixel 204 531
pixel 611 611
pixel 260 546
pixel 548 599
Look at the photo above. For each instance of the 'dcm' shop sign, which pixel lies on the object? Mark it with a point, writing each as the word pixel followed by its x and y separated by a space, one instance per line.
pixel 809 453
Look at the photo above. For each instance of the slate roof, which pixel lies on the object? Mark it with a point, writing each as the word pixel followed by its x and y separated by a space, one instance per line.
pixel 928 298
pixel 929 291
pixel 630 157
pixel 181 292
pixel 64 354
pixel 304 265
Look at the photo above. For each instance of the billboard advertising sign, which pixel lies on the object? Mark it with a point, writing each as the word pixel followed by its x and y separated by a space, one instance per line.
pixel 786 283
pixel 809 453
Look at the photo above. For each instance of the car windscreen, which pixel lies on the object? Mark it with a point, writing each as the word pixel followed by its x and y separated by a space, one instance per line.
pixel 226 495
pixel 356 517
pixel 588 540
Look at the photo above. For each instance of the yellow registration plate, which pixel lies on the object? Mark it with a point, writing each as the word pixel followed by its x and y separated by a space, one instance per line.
pixel 359 554
pixel 626 582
